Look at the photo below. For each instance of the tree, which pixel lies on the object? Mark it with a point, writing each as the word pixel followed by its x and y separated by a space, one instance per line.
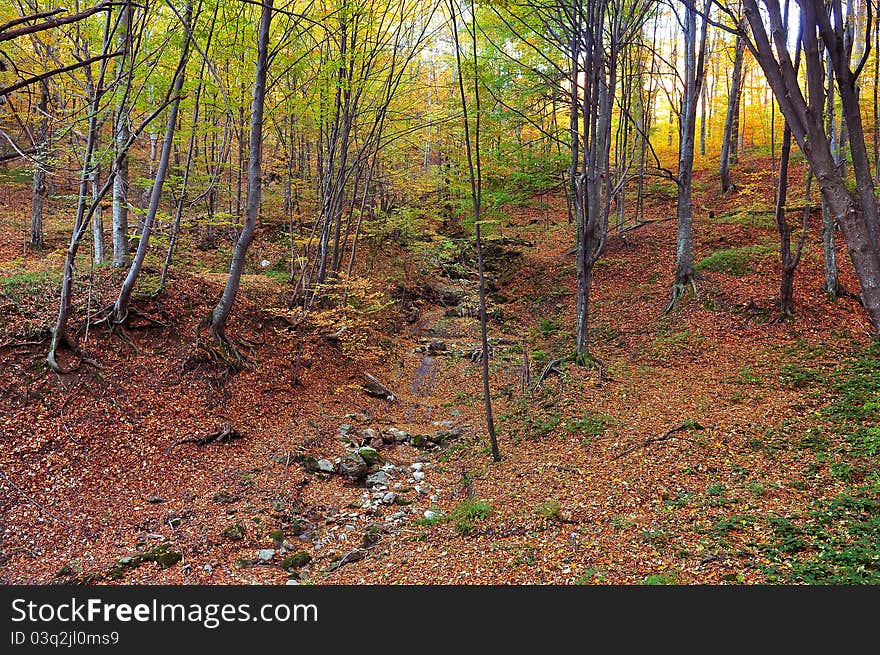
pixel 119 313
pixel 475 173
pixel 856 212
pixel 218 318
pixel 731 121
pixel 694 60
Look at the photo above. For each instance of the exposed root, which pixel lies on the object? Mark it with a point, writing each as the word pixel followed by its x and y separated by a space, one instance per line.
pixel 669 434
pixel 15 345
pixel 218 349
pixel 149 321
pixel 52 356
pixel 225 434
pixel 584 360
pixel 679 291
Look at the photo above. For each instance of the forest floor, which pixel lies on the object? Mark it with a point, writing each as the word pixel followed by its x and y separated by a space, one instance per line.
pixel 716 444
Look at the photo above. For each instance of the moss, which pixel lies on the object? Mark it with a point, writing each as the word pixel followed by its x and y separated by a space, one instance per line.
pixel 296 560
pixel 733 261
pixel 234 532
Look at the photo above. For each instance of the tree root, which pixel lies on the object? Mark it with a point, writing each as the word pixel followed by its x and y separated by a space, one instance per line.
pixel 584 360
pixel 679 291
pixel 15 345
pixel 669 434
pixel 52 355
pixel 225 434
pixel 219 349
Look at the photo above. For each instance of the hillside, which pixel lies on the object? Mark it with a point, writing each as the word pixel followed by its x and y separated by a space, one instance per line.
pixel 716 444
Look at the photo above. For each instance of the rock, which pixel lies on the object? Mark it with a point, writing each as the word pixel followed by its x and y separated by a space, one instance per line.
pixel 155 500
pixel 358 417
pixel 310 464
pixel 398 436
pixel 125 561
pixel 449 296
pixel 288 545
pixel 162 556
pixel 378 479
pixel 437 346
pixel 442 436
pixel 350 556
pixel 291 582
pixel 208 569
pixel 417 466
pixel 277 536
pixel 344 430
pixel 375 388
pixel 353 467
pixel 234 532
pixel 298 526
pixel 371 536
pixel 325 466
pixel 431 515
pixel 389 498
pixel 419 440
pixel 296 560
pixel 266 554
pixel 418 475
pixel 368 434
pixel 370 455
pixel 387 437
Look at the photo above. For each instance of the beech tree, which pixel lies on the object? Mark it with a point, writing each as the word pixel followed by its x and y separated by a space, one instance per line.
pixel 855 211
pixel 218 318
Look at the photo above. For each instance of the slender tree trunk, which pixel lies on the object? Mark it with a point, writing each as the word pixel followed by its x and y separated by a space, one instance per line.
pixel 190 154
pixel 473 157
pixel 97 217
pixel 220 315
pixel 120 307
pixel 41 165
pixel 121 135
pixel 694 64
pixel 731 121
pixel 80 223
pixel 829 225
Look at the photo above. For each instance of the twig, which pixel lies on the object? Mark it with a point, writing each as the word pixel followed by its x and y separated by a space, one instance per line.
pixel 20 491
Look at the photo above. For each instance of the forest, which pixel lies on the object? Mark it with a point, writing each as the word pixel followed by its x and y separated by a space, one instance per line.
pixel 558 292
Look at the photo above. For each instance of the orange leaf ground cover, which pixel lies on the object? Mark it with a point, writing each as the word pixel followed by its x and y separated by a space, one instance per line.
pixel 583 494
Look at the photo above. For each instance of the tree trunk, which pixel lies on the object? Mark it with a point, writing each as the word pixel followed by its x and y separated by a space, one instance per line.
pixel 41 163
pixel 731 121
pixel 120 307
pixel 80 223
pixel 121 135
pixel 807 128
pixel 97 217
pixel 220 315
pixel 694 64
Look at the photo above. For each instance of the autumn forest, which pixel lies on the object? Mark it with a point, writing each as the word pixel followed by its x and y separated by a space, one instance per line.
pixel 440 292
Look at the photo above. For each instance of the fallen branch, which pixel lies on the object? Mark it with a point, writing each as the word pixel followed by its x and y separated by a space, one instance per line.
pixel 669 434
pixel 225 434
pixel 28 498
